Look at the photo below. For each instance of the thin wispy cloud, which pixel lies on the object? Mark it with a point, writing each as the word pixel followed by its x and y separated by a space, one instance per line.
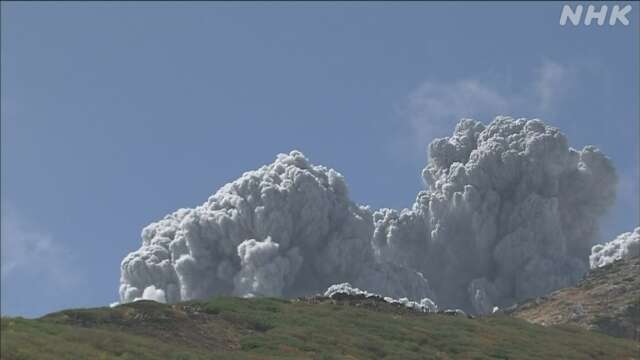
pixel 553 83
pixel 27 250
pixel 433 107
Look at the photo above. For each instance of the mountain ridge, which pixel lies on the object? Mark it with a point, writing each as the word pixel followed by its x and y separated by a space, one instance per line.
pixel 607 299
pixel 308 328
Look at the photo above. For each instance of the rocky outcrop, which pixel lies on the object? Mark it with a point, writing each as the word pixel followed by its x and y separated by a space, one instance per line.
pixel 607 299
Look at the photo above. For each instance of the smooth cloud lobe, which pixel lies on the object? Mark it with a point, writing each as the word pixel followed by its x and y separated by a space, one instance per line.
pixel 34 259
pixel 510 211
pixel 25 250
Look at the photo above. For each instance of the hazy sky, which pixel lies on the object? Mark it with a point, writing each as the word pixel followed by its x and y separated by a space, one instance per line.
pixel 114 115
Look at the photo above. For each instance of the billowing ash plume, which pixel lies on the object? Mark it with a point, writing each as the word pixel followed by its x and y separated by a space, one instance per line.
pixel 286 229
pixel 626 245
pixel 510 211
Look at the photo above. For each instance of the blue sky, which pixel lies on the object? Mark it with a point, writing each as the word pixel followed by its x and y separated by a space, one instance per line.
pixel 114 115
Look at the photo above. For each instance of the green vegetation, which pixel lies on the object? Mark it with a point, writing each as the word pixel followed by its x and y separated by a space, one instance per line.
pixel 607 299
pixel 272 328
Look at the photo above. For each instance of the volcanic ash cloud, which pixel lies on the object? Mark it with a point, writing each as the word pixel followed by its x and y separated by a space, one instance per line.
pixel 624 246
pixel 509 211
pixel 286 229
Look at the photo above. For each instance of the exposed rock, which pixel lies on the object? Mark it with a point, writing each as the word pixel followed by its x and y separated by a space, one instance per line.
pixel 607 299
pixel 454 312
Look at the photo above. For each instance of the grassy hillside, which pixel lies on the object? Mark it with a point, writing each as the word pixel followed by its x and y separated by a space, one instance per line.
pixel 310 329
pixel 606 300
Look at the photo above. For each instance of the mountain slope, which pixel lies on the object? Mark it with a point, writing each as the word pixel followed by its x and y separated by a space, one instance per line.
pixel 606 300
pixel 317 328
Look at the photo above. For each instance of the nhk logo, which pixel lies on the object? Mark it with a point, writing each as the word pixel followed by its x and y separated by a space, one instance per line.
pixel 617 14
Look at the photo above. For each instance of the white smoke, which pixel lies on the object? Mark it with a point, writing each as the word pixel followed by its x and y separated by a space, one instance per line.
pixel 510 211
pixel 152 293
pixel 624 246
pixel 424 305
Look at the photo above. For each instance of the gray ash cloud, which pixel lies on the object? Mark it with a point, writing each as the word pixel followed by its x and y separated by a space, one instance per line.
pixel 509 211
